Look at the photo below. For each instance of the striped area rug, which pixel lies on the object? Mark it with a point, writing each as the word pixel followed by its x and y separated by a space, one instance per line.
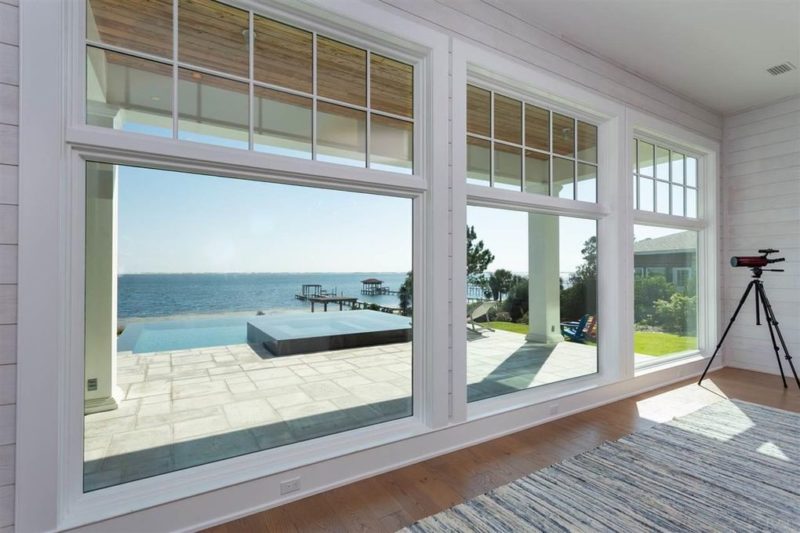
pixel 731 466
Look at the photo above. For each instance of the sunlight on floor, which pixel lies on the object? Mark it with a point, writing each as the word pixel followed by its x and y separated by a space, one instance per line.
pixel 771 449
pixel 681 401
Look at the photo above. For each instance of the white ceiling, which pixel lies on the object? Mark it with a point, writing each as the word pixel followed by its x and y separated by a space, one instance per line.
pixel 714 52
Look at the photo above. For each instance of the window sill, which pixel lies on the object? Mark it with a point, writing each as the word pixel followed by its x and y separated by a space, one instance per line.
pixel 548 394
pixel 87 508
pixel 671 361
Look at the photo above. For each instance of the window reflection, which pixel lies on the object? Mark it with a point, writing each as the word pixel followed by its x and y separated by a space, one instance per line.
pixel 269 106
pixel 127 93
pixel 212 109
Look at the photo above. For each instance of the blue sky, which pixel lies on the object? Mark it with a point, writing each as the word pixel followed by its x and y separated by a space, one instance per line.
pixel 171 222
pixel 505 233
pixel 174 222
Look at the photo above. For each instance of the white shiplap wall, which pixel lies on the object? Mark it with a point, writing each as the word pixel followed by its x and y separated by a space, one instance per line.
pixel 9 99
pixel 761 182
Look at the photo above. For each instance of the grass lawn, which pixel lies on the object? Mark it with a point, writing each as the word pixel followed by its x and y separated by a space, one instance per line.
pixel 653 343
pixel 644 342
pixel 508 326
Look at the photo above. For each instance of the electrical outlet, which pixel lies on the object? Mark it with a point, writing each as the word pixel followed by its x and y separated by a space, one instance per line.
pixel 290 485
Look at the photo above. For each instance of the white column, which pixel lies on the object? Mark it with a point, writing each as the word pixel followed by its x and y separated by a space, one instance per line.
pixel 544 291
pixel 100 387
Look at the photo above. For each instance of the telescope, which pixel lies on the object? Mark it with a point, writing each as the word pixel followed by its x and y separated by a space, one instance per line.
pixel 757 261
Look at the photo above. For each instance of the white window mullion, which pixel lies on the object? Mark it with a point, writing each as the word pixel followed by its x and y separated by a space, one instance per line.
pixel 175 77
pixel 575 162
pixel 369 115
pixel 522 151
pixel 251 91
pixel 552 152
pixel 491 144
pixel 314 111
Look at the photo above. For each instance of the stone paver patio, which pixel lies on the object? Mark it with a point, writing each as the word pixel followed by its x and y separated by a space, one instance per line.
pixel 190 407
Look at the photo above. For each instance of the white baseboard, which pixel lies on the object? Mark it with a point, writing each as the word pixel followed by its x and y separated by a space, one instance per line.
pixel 766 367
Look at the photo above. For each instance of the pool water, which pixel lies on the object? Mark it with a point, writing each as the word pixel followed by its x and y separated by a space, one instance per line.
pixel 169 335
pixel 184 334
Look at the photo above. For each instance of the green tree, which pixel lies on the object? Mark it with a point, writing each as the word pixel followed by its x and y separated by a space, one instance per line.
pixel 406 294
pixel 580 297
pixel 676 315
pixel 516 303
pixel 499 283
pixel 588 270
pixel 647 291
pixel 478 258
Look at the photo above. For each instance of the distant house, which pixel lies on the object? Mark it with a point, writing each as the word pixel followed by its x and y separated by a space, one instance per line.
pixel 673 256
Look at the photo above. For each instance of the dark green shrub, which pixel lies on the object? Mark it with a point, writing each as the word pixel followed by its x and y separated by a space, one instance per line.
pixel 677 315
pixel 503 316
pixel 647 291
pixel 516 304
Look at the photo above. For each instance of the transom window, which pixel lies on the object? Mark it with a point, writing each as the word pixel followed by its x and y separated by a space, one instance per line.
pixel 665 180
pixel 234 78
pixel 515 145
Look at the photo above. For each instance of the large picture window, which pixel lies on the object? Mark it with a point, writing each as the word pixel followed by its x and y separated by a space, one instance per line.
pixel 531 300
pixel 241 80
pixel 516 145
pixel 665 293
pixel 227 316
pixel 668 259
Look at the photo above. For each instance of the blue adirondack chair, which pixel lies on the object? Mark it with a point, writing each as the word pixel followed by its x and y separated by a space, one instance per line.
pixel 574 331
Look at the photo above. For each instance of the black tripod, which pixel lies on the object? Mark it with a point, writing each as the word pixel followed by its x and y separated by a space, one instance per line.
pixel 772 324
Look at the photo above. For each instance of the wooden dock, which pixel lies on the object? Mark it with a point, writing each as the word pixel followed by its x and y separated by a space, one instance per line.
pixel 325 300
pixel 309 291
pixel 376 307
pixel 374 287
pixel 378 291
pixel 315 294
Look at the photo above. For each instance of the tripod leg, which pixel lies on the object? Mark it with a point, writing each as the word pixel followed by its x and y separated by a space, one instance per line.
pixel 727 329
pixel 758 307
pixel 765 303
pixel 774 321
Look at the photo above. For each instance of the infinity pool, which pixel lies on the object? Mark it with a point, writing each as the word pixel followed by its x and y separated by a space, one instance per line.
pixel 318 331
pixel 169 335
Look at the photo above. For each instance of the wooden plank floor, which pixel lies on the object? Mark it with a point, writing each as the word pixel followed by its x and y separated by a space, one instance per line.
pixel 396 499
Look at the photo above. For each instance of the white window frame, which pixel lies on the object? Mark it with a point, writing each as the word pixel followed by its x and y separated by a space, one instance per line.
pixel 54 144
pixel 474 64
pixel 654 130
pixel 487 83
pixel 683 186
pixel 50 491
pixel 343 32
